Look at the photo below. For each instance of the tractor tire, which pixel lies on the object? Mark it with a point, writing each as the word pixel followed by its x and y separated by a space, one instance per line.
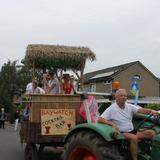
pixel 87 145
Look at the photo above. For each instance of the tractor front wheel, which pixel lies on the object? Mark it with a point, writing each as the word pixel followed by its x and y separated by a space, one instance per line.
pixel 87 145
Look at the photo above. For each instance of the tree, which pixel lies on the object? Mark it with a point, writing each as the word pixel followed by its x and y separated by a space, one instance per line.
pixel 7 81
pixel 13 79
pixel 24 75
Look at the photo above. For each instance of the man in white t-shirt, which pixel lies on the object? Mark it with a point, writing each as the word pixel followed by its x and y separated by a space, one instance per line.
pixel 33 87
pixel 119 115
pixel 29 88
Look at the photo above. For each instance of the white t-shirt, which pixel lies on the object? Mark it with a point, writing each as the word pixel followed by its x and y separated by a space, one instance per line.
pixel 121 117
pixel 29 88
pixel 42 91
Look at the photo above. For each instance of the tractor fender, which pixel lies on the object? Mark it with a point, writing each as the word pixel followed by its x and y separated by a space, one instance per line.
pixel 107 132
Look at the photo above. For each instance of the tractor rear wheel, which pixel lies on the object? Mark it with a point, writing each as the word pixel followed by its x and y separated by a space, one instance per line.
pixel 87 145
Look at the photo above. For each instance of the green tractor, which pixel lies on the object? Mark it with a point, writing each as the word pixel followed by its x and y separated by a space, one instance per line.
pixel 83 140
pixel 96 141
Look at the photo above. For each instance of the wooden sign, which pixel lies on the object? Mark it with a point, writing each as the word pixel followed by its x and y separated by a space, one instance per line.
pixel 57 121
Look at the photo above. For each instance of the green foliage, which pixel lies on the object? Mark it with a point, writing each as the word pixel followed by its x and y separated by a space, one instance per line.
pixel 8 84
pixel 153 106
pixel 24 76
pixel 12 79
pixel 11 113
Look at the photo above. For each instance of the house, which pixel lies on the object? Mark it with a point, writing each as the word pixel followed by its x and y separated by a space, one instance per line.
pixel 102 80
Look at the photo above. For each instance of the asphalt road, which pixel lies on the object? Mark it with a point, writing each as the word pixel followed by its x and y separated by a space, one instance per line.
pixel 11 149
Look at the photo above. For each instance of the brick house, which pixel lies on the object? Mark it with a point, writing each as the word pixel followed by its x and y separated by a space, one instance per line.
pixel 102 80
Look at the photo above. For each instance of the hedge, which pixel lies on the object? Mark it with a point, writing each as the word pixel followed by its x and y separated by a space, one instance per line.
pixel 153 106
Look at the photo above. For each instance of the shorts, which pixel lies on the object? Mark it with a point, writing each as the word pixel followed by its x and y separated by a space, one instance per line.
pixel 132 132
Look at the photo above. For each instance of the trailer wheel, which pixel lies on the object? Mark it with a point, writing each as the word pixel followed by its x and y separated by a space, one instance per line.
pixel 30 152
pixel 87 145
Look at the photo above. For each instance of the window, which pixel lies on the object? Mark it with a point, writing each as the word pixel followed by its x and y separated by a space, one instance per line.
pixel 92 87
pixel 137 76
pixel 107 82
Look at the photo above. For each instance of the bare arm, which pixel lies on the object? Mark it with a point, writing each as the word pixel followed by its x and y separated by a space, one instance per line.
pixel 102 120
pixel 147 111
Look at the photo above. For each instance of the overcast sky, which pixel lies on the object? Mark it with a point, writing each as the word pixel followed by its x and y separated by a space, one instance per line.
pixel 118 31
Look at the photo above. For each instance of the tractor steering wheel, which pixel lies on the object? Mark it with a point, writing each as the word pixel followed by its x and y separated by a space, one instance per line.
pixel 154 118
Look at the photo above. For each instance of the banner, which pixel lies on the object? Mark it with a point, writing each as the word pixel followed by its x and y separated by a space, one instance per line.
pixel 134 88
pixel 134 85
pixel 57 121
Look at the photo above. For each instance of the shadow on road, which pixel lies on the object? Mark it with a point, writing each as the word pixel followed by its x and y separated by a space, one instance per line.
pixel 51 153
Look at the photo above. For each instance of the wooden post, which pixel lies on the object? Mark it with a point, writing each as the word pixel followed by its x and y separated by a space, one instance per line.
pixel 81 76
pixel 33 67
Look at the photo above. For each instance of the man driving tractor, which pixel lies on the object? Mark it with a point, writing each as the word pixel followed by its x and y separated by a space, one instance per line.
pixel 119 115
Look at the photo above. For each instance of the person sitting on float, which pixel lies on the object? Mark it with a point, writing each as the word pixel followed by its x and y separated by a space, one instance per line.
pixel 53 86
pixel 66 85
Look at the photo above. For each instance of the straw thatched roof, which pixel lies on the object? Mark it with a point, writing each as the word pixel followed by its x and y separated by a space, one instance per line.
pixel 58 56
